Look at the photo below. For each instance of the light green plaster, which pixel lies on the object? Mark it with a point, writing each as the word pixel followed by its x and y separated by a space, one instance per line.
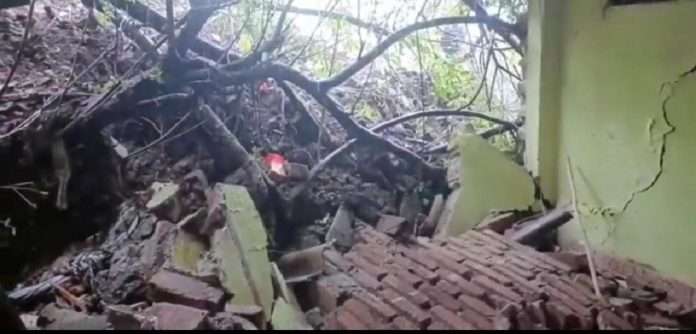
pixel 488 181
pixel 615 119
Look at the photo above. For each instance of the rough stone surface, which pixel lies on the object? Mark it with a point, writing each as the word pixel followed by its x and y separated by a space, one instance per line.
pixel 168 286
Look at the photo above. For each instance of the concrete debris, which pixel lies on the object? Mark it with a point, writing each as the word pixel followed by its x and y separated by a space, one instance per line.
pixel 226 321
pixel 172 287
pixel 478 280
pixel 391 225
pixel 341 229
pixel 123 317
pixel 303 264
pixel 241 248
pixel 164 201
pixel 287 317
pixel 433 218
pixel 53 317
pixel 31 321
pixel 177 317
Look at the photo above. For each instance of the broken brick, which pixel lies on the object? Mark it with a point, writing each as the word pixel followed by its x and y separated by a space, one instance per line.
pixel 497 288
pixel 450 318
pixel 382 309
pixel 368 267
pixel 401 323
pixel 476 304
pixel 360 309
pixel 172 287
pixel 407 290
pixel 418 257
pixel 466 286
pixel 404 274
pixel 177 317
pixel 440 297
pixel 417 269
pixel 366 281
pixel 477 319
pixel 349 321
pixel 406 307
pixel 607 320
pixel 390 225
pixel 336 259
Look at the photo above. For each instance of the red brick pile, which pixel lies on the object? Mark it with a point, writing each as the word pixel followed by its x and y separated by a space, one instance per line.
pixel 480 280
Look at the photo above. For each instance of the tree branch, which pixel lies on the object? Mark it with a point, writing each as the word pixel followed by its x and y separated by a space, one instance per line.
pixel 391 40
pixel 158 22
pixel 499 26
pixel 390 123
pixel 338 16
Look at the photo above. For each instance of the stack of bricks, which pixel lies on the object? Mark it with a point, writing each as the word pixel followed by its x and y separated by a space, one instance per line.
pixel 480 280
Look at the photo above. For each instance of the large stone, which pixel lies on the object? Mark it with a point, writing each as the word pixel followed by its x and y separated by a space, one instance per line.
pixel 241 249
pixel 168 286
pixel 177 317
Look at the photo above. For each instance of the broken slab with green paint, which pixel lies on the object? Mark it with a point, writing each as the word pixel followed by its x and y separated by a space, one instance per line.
pixel 487 181
pixel 240 247
pixel 187 250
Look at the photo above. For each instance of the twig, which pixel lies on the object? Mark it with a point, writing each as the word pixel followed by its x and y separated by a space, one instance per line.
pixel 385 125
pixel 161 139
pixel 338 16
pixel 588 251
pixel 170 28
pixel 20 52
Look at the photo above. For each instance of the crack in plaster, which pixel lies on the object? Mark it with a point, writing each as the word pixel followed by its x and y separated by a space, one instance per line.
pixel 663 149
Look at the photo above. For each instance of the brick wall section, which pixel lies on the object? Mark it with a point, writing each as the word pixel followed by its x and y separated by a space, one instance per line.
pixel 480 280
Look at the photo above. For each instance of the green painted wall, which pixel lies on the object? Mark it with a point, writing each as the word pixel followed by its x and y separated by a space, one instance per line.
pixel 488 181
pixel 627 116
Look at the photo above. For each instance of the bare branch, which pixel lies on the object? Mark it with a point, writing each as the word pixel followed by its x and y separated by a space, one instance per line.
pixel 338 16
pixel 391 40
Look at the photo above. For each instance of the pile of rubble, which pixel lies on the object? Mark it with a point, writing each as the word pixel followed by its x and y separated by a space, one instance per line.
pixel 482 280
pixel 208 271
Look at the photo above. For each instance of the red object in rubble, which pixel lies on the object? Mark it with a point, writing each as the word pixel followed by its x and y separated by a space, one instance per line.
pixel 276 163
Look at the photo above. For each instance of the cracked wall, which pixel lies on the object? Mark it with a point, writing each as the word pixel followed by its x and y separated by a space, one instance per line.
pixel 627 117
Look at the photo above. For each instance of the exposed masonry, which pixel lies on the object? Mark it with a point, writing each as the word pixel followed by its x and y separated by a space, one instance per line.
pixel 468 282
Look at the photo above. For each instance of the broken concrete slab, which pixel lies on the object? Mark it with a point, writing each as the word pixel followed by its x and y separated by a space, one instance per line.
pixel 241 249
pixel 491 181
pixel 177 317
pixel 173 287
pixel 287 317
pixel 390 225
pixel 186 251
pixel 341 229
